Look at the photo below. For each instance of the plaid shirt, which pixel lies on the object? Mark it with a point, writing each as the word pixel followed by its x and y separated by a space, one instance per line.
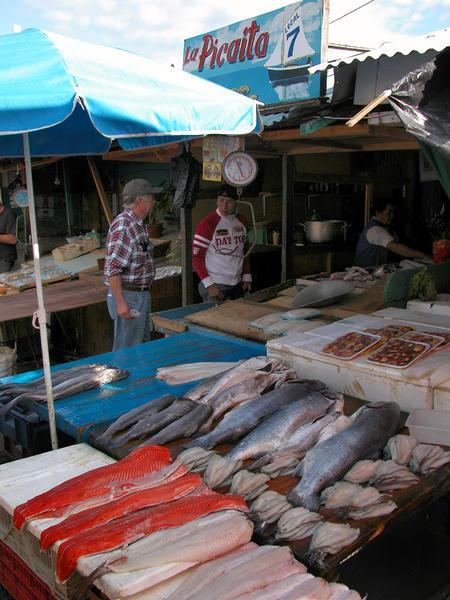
pixel 129 252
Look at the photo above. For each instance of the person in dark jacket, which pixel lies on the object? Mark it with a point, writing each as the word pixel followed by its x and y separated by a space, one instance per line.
pixel 8 239
pixel 376 240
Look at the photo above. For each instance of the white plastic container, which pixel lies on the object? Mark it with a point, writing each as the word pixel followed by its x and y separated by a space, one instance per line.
pixel 430 426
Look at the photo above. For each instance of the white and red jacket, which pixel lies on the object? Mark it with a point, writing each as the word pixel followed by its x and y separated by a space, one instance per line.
pixel 218 250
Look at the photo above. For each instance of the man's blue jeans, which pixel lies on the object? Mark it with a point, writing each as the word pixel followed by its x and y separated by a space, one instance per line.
pixel 129 332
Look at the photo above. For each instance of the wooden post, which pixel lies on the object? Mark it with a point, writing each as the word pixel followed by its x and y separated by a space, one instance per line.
pixel 286 216
pixel 68 195
pixel 100 189
pixel 187 292
pixel 368 108
pixel 368 197
pixel 324 45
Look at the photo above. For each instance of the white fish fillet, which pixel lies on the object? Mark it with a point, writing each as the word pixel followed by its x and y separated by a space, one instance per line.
pixel 340 494
pixel 296 524
pixel 276 590
pixel 163 590
pixel 339 591
pixel 312 589
pixel 255 571
pixel 248 485
pixel 165 553
pixel 192 371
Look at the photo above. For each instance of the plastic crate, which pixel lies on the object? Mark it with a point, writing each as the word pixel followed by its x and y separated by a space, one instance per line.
pixel 18 579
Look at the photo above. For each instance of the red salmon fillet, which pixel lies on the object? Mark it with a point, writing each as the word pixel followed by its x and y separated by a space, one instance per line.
pixel 119 478
pixel 135 526
pixel 91 517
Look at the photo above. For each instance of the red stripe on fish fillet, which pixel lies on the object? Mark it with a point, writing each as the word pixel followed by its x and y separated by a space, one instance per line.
pixel 130 503
pixel 133 527
pixel 95 483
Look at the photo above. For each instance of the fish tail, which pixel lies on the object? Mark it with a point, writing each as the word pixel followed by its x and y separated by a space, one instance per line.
pixel 309 501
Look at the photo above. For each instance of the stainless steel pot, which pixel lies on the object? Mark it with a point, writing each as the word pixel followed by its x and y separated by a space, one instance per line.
pixel 323 232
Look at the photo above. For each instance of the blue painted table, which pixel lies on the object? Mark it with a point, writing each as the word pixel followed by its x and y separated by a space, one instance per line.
pixel 79 414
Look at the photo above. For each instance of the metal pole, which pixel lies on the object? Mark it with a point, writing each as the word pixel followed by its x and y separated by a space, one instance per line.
pixel 67 196
pixel 40 316
pixel 187 291
pixel 284 216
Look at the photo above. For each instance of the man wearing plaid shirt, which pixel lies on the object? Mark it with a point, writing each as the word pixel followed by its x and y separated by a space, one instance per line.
pixel 129 267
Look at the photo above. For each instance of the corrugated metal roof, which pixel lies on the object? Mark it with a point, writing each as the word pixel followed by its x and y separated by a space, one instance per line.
pixel 437 40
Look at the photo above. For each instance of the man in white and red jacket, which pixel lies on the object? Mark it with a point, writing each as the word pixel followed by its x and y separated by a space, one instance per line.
pixel 218 251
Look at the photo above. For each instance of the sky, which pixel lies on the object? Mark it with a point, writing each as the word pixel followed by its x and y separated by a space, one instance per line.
pixel 157 29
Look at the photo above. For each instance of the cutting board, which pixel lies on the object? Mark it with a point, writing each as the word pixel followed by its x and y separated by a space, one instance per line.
pixel 234 317
pixel 74 249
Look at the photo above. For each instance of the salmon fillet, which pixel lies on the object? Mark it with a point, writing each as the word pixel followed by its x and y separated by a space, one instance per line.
pixel 118 478
pixel 126 505
pixel 135 526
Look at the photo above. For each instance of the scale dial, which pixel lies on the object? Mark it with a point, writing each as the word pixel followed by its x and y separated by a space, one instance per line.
pixel 239 169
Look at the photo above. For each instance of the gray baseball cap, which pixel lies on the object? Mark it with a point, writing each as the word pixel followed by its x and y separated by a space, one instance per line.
pixel 139 187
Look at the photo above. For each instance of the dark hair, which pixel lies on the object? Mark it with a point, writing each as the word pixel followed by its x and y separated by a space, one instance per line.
pixel 227 190
pixel 380 204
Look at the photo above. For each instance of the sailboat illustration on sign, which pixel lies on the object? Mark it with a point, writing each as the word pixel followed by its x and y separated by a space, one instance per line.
pixel 287 65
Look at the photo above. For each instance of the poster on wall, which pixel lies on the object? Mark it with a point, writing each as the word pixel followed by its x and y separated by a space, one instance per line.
pixel 215 149
pixel 264 57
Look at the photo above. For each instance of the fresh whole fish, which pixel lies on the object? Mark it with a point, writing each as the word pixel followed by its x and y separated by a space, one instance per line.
pixel 57 377
pixel 271 433
pixel 74 385
pixel 299 441
pixel 328 461
pixel 183 427
pixel 171 551
pixel 93 516
pixel 249 388
pixel 242 419
pixel 130 528
pixel 246 370
pixel 133 416
pixel 100 483
pixel 154 423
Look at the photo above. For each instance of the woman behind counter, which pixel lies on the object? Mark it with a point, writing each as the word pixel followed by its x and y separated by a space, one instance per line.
pixel 376 240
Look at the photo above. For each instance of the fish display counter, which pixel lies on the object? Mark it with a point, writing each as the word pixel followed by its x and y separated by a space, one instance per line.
pixel 414 372
pixel 77 415
pixel 249 483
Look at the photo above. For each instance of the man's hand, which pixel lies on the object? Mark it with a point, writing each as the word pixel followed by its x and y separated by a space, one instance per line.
pixel 215 292
pixel 246 286
pixel 123 310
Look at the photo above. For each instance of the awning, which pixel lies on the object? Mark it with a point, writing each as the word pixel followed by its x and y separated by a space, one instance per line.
pixel 437 40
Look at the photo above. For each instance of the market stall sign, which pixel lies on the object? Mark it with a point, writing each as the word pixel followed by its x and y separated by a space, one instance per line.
pixel 19 198
pixel 265 57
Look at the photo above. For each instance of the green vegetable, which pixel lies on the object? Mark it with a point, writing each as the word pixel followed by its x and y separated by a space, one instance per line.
pixel 422 286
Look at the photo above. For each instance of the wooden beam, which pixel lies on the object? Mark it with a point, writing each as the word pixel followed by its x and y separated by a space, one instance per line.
pixel 331 131
pixel 365 147
pixel 100 189
pixel 368 197
pixel 368 108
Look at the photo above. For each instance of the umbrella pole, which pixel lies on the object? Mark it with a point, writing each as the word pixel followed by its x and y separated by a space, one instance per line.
pixel 40 315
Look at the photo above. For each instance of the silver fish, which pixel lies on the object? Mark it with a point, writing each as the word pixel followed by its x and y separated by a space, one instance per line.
pixel 328 462
pixel 133 416
pixel 183 427
pixel 154 423
pixel 81 382
pixel 270 434
pixel 242 419
pixel 299 442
